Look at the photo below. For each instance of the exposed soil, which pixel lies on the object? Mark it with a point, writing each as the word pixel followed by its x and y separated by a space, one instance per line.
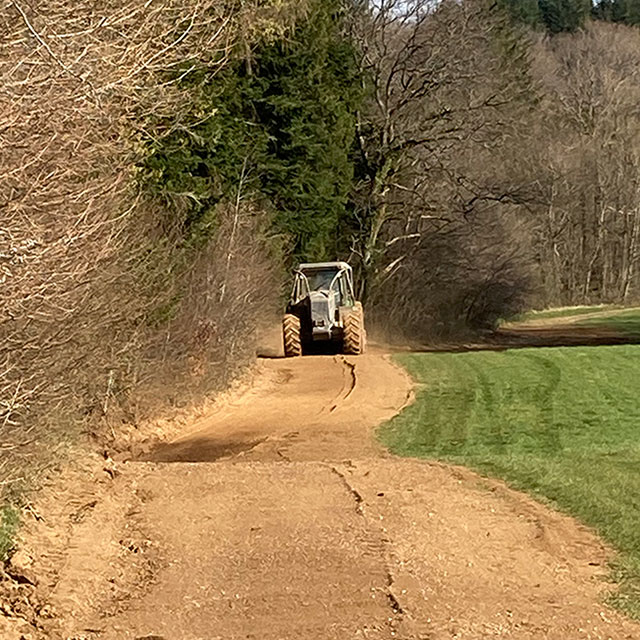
pixel 562 320
pixel 564 331
pixel 562 335
pixel 278 516
pixel 544 332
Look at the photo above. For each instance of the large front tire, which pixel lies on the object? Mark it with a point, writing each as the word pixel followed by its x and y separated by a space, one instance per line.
pixel 354 332
pixel 291 334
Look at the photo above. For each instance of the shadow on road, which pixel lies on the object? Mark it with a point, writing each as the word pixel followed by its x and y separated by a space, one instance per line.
pixel 201 449
pixel 316 349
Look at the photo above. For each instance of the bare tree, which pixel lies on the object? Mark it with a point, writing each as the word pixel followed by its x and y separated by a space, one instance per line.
pixel 450 88
pixel 100 298
pixel 590 136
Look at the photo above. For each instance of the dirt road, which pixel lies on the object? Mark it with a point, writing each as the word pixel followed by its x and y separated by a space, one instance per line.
pixel 279 517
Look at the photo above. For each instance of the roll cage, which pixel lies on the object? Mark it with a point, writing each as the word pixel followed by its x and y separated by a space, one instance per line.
pixel 342 282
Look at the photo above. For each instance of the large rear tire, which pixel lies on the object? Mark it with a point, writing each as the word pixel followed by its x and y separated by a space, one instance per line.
pixel 291 335
pixel 355 336
pixel 363 347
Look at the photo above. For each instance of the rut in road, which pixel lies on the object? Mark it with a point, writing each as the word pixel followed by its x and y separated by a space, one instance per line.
pixel 281 517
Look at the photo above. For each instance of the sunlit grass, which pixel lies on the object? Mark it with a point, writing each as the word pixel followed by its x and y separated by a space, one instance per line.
pixel 561 312
pixel 9 521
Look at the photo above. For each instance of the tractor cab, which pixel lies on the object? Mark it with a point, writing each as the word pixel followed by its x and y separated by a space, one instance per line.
pixel 325 278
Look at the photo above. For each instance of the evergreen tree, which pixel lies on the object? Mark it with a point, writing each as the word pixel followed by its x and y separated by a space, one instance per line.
pixel 525 12
pixel 558 16
pixel 281 123
pixel 310 90
pixel 564 15
pixel 633 13
pixel 624 11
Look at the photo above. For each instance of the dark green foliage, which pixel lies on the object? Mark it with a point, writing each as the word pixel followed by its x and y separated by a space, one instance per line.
pixel 555 16
pixel 560 16
pixel 624 11
pixel 523 11
pixel 310 89
pixel 277 125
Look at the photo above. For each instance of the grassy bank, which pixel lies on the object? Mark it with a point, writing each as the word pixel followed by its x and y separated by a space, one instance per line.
pixel 626 322
pixel 562 423
pixel 9 522
pixel 562 312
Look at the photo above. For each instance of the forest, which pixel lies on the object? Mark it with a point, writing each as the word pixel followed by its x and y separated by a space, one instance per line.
pixel 163 165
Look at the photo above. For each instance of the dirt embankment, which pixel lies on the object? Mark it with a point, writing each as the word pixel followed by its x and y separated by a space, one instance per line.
pixel 564 331
pixel 278 516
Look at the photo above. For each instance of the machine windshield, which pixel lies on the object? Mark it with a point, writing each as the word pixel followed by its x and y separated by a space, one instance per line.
pixel 320 279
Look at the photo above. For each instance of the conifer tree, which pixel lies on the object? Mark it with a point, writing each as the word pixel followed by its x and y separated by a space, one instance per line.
pixel 624 11
pixel 281 123
pixel 564 15
pixel 523 11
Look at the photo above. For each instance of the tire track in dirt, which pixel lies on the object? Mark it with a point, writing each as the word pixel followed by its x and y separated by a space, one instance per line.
pixel 350 381
pixel 279 516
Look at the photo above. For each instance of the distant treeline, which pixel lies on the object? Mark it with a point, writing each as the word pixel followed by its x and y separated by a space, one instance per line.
pixel 557 16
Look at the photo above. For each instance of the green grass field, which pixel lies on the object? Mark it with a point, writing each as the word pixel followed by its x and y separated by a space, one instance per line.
pixel 560 423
